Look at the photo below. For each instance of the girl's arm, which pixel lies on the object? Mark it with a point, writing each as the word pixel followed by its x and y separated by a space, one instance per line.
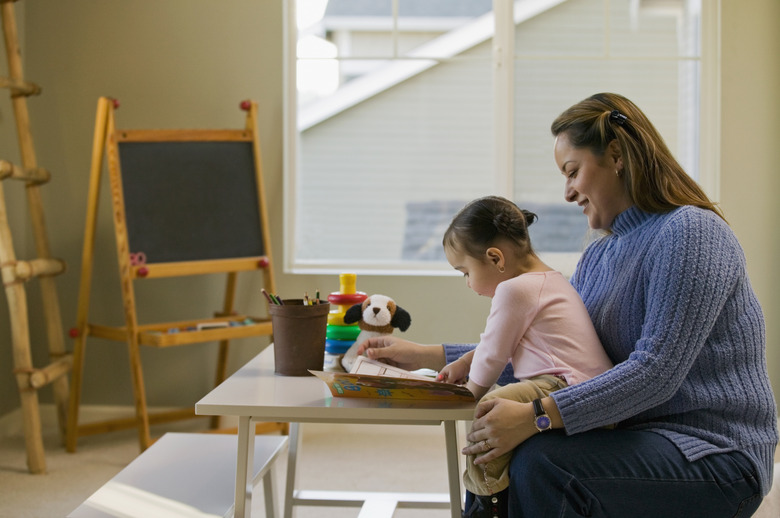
pixel 403 353
pixel 454 351
pixel 456 371
pixel 477 390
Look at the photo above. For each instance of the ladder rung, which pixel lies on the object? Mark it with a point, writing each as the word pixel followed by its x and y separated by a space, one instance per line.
pixel 24 270
pixel 20 88
pixel 37 378
pixel 38 174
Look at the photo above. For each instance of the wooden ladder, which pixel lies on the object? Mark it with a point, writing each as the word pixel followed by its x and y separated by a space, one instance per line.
pixel 16 272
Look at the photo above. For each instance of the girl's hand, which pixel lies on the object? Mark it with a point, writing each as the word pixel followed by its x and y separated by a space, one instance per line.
pixel 499 426
pixel 455 372
pixel 402 353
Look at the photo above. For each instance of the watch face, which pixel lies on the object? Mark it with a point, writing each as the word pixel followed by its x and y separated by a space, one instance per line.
pixel 543 422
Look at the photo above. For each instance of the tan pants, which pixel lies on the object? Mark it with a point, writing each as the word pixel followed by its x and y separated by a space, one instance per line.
pixel 493 477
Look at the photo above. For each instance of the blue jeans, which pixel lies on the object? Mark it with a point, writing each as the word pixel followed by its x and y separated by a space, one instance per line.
pixel 623 473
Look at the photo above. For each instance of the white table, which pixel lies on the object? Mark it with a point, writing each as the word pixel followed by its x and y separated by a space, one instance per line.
pixel 254 392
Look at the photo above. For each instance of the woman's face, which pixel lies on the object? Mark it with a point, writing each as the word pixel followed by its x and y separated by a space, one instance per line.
pixel 592 182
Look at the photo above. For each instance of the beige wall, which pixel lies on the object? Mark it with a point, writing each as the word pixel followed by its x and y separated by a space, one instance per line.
pixel 750 153
pixel 186 63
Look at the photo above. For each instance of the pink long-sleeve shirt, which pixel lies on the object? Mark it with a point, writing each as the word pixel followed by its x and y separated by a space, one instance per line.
pixel 539 323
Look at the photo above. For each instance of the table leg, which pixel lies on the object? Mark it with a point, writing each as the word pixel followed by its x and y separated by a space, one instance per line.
pixel 268 493
pixel 453 467
pixel 292 458
pixel 244 468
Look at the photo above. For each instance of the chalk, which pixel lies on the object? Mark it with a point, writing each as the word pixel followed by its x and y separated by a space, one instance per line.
pixel 211 325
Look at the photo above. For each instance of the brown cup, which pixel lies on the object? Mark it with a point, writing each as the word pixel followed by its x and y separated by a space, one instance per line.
pixel 299 336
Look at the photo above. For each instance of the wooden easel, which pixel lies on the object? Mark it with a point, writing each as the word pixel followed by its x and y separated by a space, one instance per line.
pixel 15 272
pixel 141 256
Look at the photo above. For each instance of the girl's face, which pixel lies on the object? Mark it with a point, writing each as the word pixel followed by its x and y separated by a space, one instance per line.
pixel 592 182
pixel 482 276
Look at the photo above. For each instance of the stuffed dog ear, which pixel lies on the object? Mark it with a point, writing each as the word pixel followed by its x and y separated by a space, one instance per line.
pixel 353 314
pixel 402 320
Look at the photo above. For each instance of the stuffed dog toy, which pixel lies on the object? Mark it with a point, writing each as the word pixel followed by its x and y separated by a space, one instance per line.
pixel 376 316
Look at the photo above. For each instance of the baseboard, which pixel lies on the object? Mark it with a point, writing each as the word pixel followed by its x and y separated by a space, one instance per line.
pixel 11 423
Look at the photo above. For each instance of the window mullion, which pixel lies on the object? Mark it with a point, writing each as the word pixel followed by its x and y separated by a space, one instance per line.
pixel 709 98
pixel 503 89
pixel 290 129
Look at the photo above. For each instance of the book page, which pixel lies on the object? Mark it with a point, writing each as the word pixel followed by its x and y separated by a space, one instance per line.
pixel 364 365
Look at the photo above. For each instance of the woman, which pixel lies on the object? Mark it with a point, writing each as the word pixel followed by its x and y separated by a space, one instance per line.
pixel 667 290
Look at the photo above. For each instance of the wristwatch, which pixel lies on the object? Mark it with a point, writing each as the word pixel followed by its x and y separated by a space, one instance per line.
pixel 542 421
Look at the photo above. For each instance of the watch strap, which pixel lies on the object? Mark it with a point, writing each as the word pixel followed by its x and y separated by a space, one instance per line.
pixel 542 421
pixel 538 408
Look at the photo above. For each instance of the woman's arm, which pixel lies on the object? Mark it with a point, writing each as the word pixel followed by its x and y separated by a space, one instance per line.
pixel 685 272
pixel 689 270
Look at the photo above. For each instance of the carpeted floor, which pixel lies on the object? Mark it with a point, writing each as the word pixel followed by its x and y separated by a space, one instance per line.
pixel 348 457
pixel 344 457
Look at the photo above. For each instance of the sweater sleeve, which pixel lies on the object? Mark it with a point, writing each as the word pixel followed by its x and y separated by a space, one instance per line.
pixel 687 272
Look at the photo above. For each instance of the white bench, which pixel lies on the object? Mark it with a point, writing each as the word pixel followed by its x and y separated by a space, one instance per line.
pixel 183 475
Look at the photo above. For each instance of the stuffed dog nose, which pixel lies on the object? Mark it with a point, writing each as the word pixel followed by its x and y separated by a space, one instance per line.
pixel 376 310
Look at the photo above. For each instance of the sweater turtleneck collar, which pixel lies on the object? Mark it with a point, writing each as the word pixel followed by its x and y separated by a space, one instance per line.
pixel 628 220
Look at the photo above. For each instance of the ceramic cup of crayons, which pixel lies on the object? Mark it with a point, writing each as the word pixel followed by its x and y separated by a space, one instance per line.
pixel 299 327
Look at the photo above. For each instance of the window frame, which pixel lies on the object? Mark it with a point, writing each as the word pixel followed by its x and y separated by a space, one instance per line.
pixel 504 115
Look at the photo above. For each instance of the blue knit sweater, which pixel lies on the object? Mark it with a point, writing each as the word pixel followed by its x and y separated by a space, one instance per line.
pixel 671 301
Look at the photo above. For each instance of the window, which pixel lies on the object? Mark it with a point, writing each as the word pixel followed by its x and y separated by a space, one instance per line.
pixel 398 112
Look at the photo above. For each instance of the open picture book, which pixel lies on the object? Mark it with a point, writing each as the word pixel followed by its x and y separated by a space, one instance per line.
pixel 373 379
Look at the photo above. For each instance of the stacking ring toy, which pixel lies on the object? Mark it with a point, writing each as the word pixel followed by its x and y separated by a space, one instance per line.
pixel 336 318
pixel 338 346
pixel 342 332
pixel 347 299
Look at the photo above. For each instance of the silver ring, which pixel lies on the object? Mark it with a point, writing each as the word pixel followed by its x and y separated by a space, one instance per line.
pixel 486 446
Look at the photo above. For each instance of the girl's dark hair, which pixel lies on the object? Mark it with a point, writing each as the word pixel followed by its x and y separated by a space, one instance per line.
pixel 481 223
pixel 654 179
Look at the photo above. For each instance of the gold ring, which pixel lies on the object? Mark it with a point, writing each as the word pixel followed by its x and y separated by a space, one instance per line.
pixel 485 445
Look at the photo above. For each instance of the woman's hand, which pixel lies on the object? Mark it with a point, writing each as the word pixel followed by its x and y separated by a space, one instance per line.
pixel 503 424
pixel 403 353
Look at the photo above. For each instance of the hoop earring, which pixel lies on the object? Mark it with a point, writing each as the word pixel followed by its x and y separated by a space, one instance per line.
pixel 501 269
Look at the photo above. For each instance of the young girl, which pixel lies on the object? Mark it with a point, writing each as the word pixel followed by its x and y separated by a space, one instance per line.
pixel 537 322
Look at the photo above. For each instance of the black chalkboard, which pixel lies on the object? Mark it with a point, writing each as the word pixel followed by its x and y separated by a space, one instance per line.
pixel 191 201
